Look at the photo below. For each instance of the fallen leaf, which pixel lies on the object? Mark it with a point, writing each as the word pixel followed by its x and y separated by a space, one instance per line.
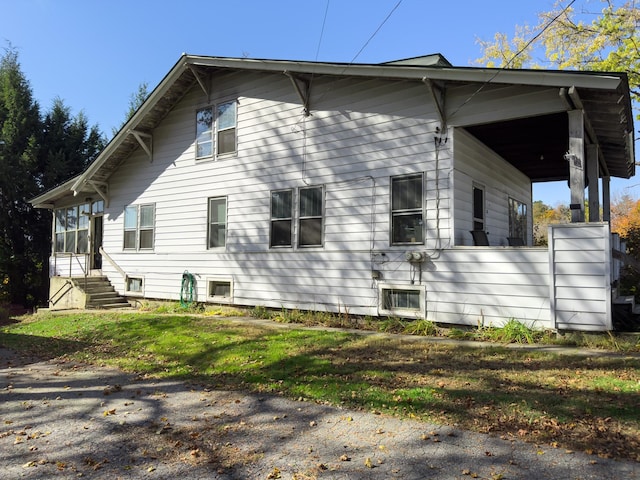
pixel 368 463
pixel 275 473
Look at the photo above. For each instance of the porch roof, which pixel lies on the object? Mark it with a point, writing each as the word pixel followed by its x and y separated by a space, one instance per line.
pixel 604 97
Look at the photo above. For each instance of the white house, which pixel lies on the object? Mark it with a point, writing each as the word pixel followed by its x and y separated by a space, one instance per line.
pixel 351 187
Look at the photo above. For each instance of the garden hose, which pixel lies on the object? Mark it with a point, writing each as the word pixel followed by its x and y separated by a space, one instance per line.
pixel 187 290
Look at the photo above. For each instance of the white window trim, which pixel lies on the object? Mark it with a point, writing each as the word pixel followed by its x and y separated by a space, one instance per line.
pixel 298 217
pixel 226 223
pixel 214 131
pixel 422 210
pixel 217 298
pixel 134 293
pixel 138 229
pixel 475 219
pixel 80 211
pixel 291 219
pixel 403 312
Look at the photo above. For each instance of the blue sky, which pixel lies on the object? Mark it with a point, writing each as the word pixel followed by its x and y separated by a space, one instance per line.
pixel 95 54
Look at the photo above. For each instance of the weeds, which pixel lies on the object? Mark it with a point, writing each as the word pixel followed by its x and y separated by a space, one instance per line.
pixel 424 328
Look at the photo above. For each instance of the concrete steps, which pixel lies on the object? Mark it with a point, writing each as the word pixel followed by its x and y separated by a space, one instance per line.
pixel 100 293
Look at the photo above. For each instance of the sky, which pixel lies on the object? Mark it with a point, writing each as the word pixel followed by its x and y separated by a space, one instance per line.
pixel 95 54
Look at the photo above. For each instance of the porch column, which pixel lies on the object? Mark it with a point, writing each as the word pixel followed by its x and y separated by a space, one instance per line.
pixel 606 199
pixel 575 157
pixel 592 175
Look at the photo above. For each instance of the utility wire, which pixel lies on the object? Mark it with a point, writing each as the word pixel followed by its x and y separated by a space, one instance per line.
pixel 324 21
pixel 376 32
pixel 516 55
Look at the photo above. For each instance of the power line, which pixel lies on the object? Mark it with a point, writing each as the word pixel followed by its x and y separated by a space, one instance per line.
pixel 324 21
pixel 377 30
pixel 518 53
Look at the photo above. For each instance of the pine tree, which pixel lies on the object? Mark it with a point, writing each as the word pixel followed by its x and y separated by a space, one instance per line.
pixel 19 127
pixel 36 154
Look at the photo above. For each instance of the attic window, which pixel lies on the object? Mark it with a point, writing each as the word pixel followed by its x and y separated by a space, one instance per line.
pixel 216 130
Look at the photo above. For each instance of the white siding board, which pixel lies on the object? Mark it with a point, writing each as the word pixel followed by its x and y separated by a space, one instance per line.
pixel 475 163
pixel 361 133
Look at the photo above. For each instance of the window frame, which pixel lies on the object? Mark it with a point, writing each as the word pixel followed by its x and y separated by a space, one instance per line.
pixel 402 311
pixel 277 218
pixel 395 214
pixel 127 285
pixel 478 222
pixel 518 220
pixel 212 136
pixel 61 229
pixel 139 228
pixel 307 218
pixel 220 298
pixel 218 223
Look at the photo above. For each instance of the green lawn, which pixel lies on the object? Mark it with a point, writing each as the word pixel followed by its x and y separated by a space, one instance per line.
pixel 572 402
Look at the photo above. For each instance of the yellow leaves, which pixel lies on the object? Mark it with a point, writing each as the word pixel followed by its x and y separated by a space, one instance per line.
pixel 275 473
pixel 107 413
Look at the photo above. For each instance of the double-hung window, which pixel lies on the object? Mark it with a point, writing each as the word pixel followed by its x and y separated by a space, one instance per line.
pixel 281 218
pixel 72 229
pixel 407 210
pixel 139 227
pixel 310 217
pixel 217 222
pixel 216 130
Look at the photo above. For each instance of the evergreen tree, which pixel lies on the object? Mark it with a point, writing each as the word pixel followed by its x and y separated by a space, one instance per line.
pixel 19 127
pixel 36 154
pixel 135 101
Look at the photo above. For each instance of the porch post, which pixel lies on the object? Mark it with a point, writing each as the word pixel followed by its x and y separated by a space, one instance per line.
pixel 575 157
pixel 606 199
pixel 592 175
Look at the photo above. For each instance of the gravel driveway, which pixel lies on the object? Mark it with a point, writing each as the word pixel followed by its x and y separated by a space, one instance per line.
pixel 61 420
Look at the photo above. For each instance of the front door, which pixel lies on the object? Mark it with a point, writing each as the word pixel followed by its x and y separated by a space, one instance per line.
pixel 96 242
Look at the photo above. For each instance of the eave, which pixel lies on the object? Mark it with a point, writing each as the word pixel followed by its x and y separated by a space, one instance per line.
pixel 597 89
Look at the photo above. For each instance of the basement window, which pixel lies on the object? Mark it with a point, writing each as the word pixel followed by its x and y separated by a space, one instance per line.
pixel 220 290
pixel 402 300
pixel 134 285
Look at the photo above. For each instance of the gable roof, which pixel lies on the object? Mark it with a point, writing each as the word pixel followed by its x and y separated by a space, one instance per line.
pixel 605 98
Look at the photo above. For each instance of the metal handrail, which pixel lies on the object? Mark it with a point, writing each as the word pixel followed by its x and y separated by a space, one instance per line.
pixel 112 262
pixel 52 301
pixel 71 257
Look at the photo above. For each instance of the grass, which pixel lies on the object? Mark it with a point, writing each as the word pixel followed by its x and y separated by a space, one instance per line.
pixel 586 403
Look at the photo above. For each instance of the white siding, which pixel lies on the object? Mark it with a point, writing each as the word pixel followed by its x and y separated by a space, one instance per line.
pixel 352 152
pixel 580 288
pixel 475 163
pixel 488 286
pixel 361 133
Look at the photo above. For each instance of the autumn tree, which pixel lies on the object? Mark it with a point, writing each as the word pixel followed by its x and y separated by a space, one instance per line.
pixel 545 215
pixel 572 38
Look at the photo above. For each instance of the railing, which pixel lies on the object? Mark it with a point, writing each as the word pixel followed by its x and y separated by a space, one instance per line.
pixel 71 257
pixel 53 300
pixel 113 263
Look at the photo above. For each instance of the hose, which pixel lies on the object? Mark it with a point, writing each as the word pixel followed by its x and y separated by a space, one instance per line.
pixel 187 290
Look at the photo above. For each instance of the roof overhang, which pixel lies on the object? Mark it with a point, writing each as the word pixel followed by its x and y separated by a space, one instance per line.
pixel 598 91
